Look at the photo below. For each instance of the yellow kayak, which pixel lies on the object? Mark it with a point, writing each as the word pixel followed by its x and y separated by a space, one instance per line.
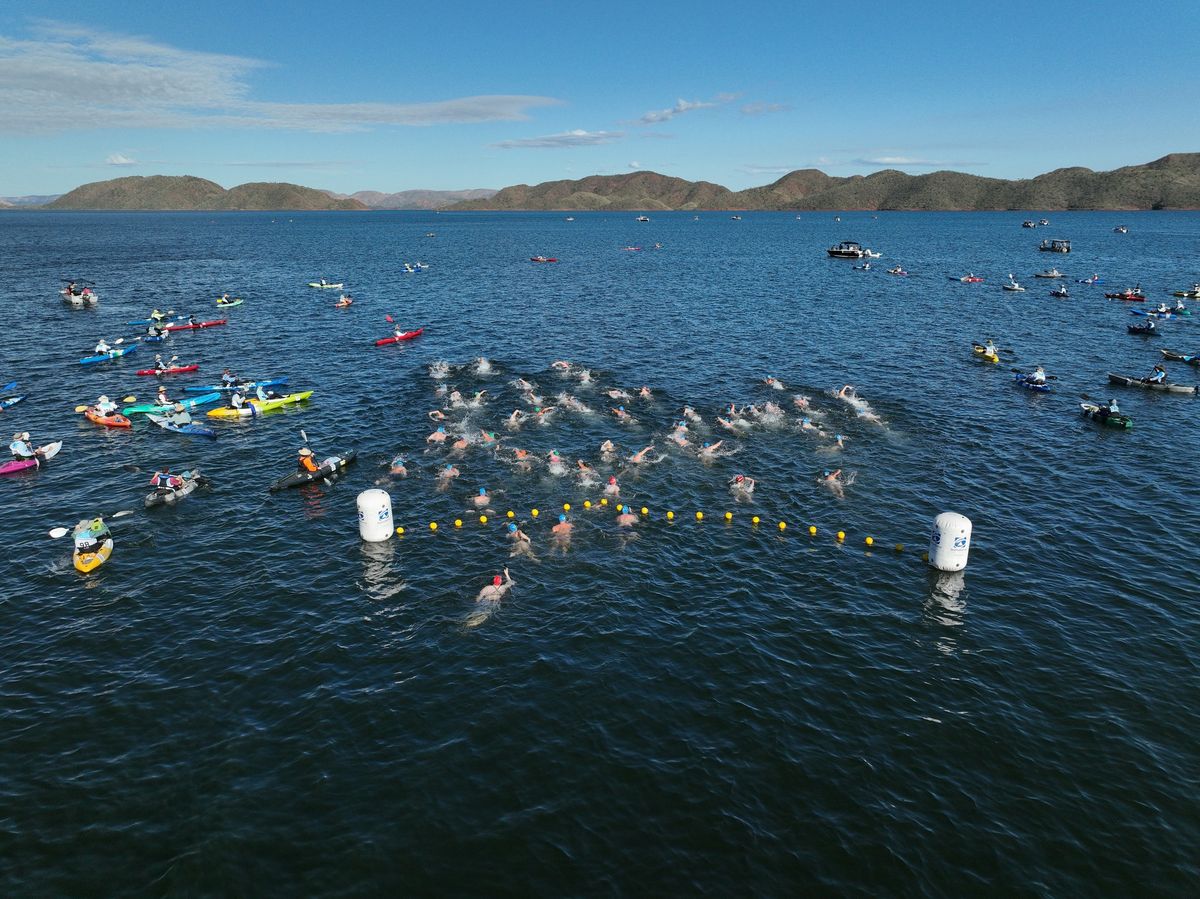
pixel 977 350
pixel 257 406
pixel 86 562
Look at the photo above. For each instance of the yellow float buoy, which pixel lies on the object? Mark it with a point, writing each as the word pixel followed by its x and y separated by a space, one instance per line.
pixel 841 536
pixel 899 547
pixel 433 525
pixel 812 530
pixel 754 520
pixel 729 516
pixel 510 514
pixel 533 512
pixel 870 541
pixel 587 503
pixel 645 511
pixel 566 507
pixel 670 516
pixel 783 525
pixel 604 501
pixel 483 519
pixel 699 516
pixel 458 522
pixel 400 531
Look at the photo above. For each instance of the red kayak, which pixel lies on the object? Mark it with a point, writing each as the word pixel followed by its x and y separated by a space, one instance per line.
pixel 1127 295
pixel 173 370
pixel 404 335
pixel 219 321
pixel 543 259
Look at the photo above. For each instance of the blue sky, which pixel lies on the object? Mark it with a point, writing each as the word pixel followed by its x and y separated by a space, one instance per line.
pixel 392 96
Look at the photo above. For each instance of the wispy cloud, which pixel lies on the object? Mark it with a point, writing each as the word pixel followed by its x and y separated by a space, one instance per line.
pixel 565 140
pixel 760 108
pixel 635 164
pixel 284 164
pixel 68 77
pixel 119 159
pixel 913 162
pixel 751 168
pixel 658 116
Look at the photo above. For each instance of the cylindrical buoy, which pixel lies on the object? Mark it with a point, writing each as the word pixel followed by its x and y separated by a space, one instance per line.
pixel 374 515
pixel 950 542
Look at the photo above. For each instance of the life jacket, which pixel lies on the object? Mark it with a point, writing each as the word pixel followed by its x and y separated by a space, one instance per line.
pixel 307 464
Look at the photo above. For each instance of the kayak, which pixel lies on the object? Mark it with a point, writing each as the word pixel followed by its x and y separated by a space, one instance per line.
pixel 1050 273
pixel 543 259
pixel 344 303
pixel 49 451
pixel 1061 294
pixel 250 385
pixel 11 401
pixel 403 335
pixel 330 468
pixel 154 338
pixel 1023 381
pixel 982 353
pixel 1187 294
pixel 1143 329
pixel 173 370
pixel 1014 287
pixel 1179 357
pixel 1122 381
pixel 115 420
pixel 230 304
pixel 150 321
pixel 109 356
pixel 79 300
pixel 190 327
pixel 1127 295
pixel 1089 280
pixel 168 497
pixel 86 562
pixel 162 410
pixel 967 279
pixel 1092 411
pixel 1158 313
pixel 257 407
pixel 897 271
pixel 321 285
pixel 193 430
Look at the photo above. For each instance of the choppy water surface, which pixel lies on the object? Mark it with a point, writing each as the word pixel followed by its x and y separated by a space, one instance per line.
pixel 246 699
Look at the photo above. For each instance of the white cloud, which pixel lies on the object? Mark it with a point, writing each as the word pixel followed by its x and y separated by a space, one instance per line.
pixel 565 140
pixel 119 159
pixel 635 164
pixel 681 106
pixel 65 77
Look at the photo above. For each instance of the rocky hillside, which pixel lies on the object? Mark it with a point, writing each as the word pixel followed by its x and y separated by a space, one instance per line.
pixel 184 192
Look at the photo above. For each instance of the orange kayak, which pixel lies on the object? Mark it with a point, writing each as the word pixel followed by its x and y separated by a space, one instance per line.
pixel 116 420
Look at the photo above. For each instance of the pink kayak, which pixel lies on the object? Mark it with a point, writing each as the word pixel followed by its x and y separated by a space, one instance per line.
pixel 403 335
pixel 173 370
pixel 211 324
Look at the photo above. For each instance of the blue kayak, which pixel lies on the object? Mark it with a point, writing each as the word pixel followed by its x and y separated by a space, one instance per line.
pixel 154 338
pixel 109 356
pixel 10 401
pixel 150 321
pixel 1023 381
pixel 193 430
pixel 274 382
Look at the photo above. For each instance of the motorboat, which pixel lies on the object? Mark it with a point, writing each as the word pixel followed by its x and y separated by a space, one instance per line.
pixel 325 285
pixel 1044 222
pixel 847 249
pixel 570 218
pixel 1055 245
pixel 1120 229
pixel 1050 273
pixel 642 218
pixel 736 218
pixel 871 254
pixel 1029 223
pixel 543 259
pixel 86 297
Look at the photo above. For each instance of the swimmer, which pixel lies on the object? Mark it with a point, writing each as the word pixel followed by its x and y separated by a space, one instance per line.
pixel 521 459
pixel 741 486
pixel 679 437
pixel 708 451
pixel 460 445
pixel 438 436
pixel 481 499
pixel 692 415
pixel 846 393
pixel 800 402
pixel 448 472
pixel 607 451
pixel 560 365
pixel 587 474
pixel 839 441
pixel 523 385
pixel 489 598
pixel 487 438
pixel 513 422
pixel 627 519
pixel 773 382
pixel 615 393
pixel 562 530
pixel 456 399
pixel 644 393
pixel 640 456
pixel 437 415
pixel 585 376
pixel 612 488
pixel 621 414
pixel 532 399
pixel 482 366
pixel 833 480
pixel 398 467
pixel 542 414
pixel 522 545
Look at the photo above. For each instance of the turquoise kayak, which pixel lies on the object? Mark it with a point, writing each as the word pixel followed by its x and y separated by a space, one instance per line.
pixel 156 409
pixel 109 356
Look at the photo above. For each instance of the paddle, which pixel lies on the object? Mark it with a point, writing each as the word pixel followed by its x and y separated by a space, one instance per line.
pixel 389 320
pixel 55 533
pixel 9 386
pixel 304 437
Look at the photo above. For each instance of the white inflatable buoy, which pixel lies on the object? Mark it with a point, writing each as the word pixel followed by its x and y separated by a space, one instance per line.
pixel 374 515
pixel 950 542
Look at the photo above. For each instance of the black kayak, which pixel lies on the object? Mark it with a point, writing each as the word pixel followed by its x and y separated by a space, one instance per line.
pixel 1179 357
pixel 330 468
pixel 1142 329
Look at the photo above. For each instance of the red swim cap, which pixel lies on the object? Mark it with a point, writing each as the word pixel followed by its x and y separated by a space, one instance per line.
pixel 496 580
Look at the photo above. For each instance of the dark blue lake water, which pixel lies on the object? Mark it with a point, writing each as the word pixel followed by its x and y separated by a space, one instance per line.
pixel 248 700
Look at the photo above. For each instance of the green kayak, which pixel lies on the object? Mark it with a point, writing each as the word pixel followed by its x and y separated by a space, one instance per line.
pixel 1094 412
pixel 156 409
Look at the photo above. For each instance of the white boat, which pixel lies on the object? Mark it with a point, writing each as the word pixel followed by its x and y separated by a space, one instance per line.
pixel 871 254
pixel 1120 229
pixel 847 249
pixel 642 218
pixel 570 218
pixel 1050 273
pixel 1060 292
pixel 78 300
pixel 1013 285
pixel 325 285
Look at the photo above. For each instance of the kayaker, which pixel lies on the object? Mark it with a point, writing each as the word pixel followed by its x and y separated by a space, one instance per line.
pixel 179 415
pixel 495 591
pixel 1038 376
pixel 228 378
pixel 164 482
pixel 989 348
pixel 1163 308
pixel 237 399
pixel 159 365
pixel 191 319
pixel 105 406
pixel 264 393
pixel 157 316
pixel 21 448
pixel 89 535
pixel 305 462
pixel 161 398
pixel 1179 306
pixel 102 347
pixel 1158 375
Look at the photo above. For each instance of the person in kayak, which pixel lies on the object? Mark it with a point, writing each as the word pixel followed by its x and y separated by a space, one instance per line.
pixel 102 347
pixel 1037 377
pixel 237 399
pixel 164 482
pixel 105 406
pixel 159 365
pixel 989 348
pixel 89 535
pixel 21 448
pixel 305 463
pixel 191 319
pixel 1158 375
pixel 264 393
pixel 157 317
pixel 161 397
pixel 179 415
pixel 1179 306
pixel 228 378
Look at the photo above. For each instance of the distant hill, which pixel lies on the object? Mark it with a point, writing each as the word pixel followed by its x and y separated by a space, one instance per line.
pixel 27 201
pixel 416 199
pixel 1172 182
pixel 184 192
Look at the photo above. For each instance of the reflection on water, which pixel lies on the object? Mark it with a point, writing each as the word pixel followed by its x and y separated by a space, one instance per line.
pixel 946 607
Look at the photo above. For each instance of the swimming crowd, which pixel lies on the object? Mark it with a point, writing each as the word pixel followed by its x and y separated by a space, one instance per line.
pixel 463 426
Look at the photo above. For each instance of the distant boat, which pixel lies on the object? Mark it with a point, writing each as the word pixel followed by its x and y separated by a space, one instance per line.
pixel 847 249
pixel 1044 222
pixel 1057 245
pixel 1121 229
pixel 643 218
pixel 736 218
pixel 1029 223
pixel 1050 273
pixel 570 218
